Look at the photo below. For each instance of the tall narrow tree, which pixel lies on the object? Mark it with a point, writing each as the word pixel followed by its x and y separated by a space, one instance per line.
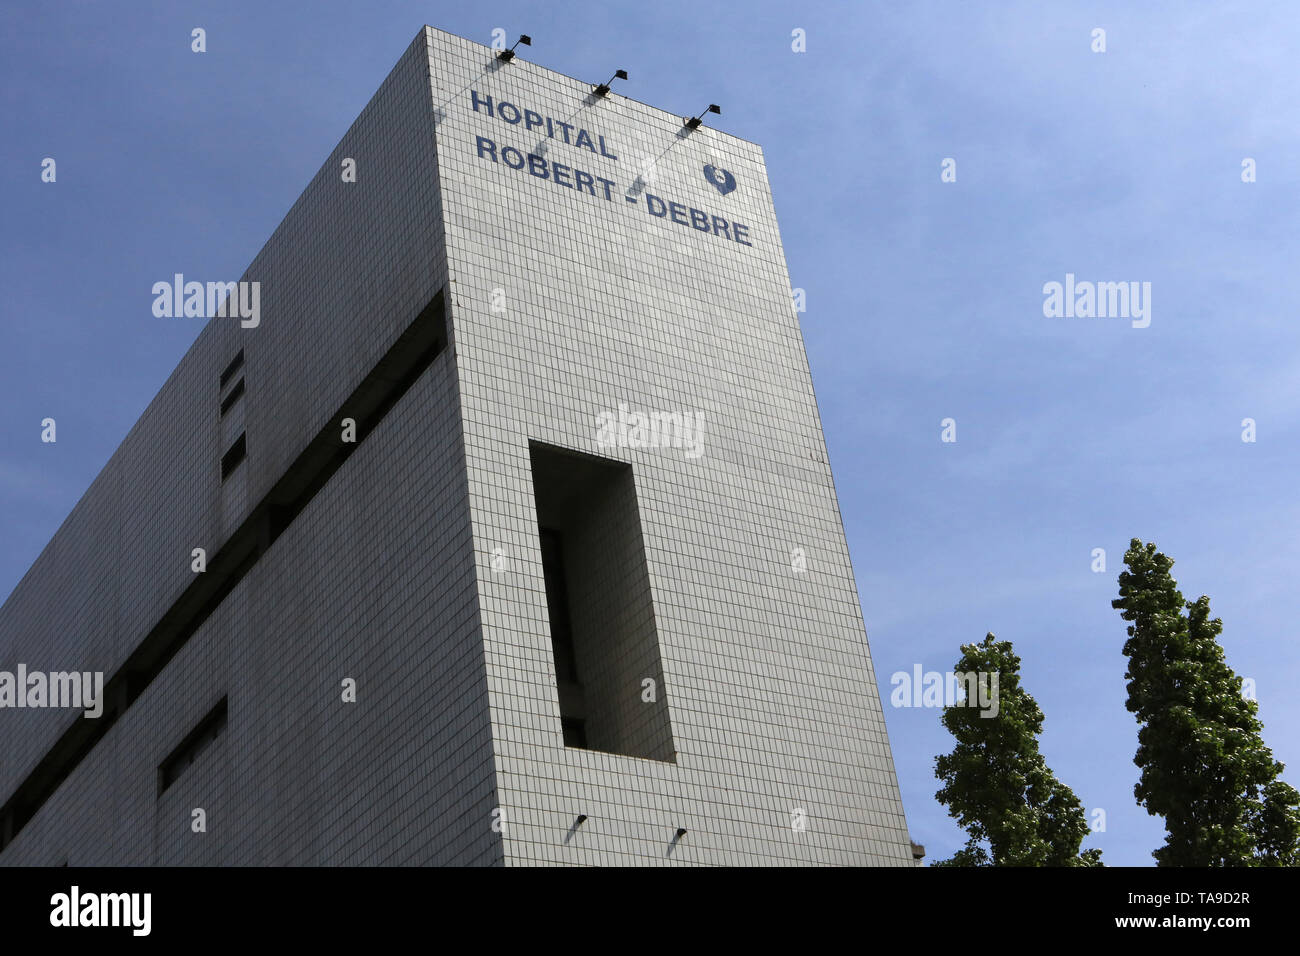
pixel 1204 765
pixel 996 783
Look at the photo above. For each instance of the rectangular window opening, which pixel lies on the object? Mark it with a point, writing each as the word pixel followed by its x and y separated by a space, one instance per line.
pixel 231 459
pixel 228 402
pixel 196 741
pixel 605 646
pixel 235 364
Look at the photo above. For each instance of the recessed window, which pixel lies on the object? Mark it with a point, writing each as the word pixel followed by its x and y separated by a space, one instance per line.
pixel 231 459
pixel 235 365
pixel 228 402
pixel 608 675
pixel 196 741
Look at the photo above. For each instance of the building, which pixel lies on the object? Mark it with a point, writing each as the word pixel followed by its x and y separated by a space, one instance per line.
pixel 519 541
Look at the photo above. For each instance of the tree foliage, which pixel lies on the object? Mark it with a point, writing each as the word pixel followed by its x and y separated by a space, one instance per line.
pixel 1204 765
pixel 996 783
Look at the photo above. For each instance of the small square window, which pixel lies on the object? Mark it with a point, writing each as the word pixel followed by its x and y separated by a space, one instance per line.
pixel 229 401
pixel 235 365
pixel 231 459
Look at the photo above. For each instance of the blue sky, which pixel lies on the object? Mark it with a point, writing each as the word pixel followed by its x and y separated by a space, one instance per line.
pixel 924 299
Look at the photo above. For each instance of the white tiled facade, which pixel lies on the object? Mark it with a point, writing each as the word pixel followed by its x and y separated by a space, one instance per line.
pixel 416 569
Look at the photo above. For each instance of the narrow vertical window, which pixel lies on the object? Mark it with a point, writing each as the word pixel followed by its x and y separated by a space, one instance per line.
pixel 231 459
pixel 608 675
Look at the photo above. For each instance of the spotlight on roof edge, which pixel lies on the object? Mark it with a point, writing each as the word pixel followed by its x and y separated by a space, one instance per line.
pixel 694 122
pixel 505 56
pixel 603 89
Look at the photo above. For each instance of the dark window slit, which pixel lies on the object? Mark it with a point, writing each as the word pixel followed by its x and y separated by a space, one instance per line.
pixel 228 402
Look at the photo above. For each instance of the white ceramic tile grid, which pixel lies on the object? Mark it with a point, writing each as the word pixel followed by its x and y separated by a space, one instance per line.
pixel 374 580
pixel 567 303
pixel 385 576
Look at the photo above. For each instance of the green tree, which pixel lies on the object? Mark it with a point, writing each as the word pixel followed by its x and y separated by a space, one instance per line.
pixel 1205 768
pixel 996 784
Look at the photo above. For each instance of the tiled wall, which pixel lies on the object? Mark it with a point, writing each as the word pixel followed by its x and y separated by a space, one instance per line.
pixel 365 584
pixel 566 305
pixel 416 570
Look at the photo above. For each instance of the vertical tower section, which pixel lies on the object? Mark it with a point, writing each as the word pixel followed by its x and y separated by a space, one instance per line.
pixel 677 665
